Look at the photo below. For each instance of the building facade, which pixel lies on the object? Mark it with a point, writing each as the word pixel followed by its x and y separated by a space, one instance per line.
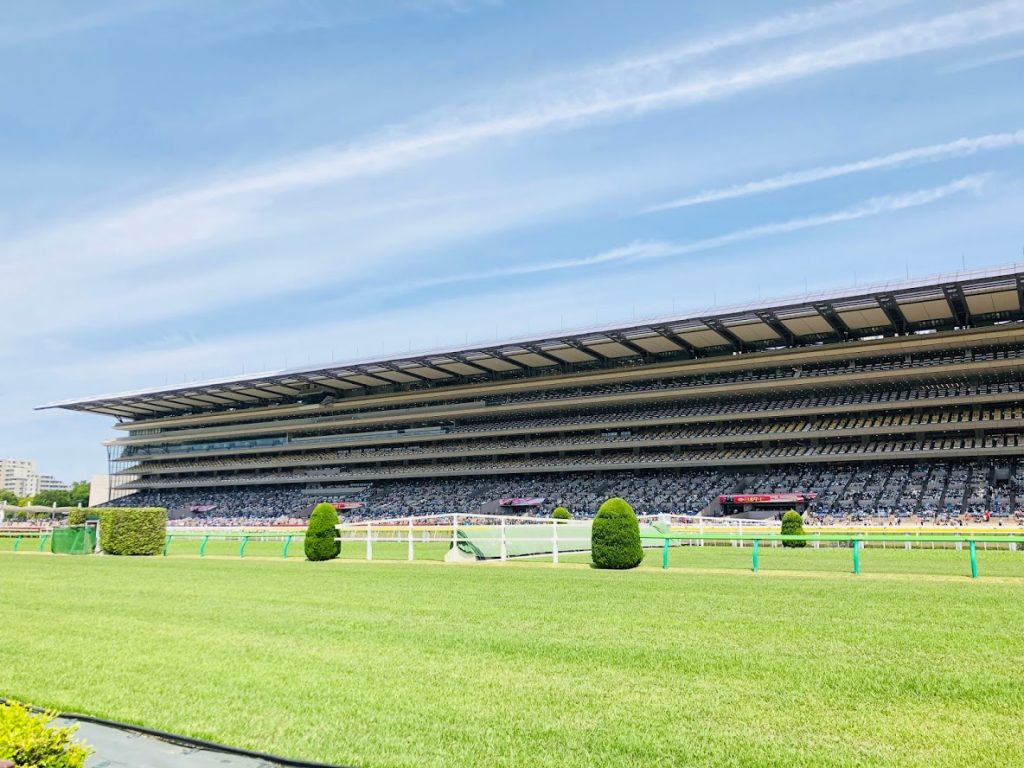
pixel 21 478
pixel 898 399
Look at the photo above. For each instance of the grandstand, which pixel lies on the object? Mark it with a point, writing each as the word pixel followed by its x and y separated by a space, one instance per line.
pixel 898 400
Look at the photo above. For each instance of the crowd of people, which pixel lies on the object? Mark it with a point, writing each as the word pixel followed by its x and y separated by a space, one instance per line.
pixel 940 492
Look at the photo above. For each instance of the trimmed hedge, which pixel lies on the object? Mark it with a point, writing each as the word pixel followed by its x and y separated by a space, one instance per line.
pixel 793 524
pixel 133 531
pixel 26 740
pixel 76 516
pixel 561 513
pixel 320 541
pixel 615 537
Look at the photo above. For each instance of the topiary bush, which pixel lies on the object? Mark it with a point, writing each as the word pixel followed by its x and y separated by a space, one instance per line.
pixel 26 740
pixel 561 513
pixel 615 537
pixel 133 531
pixel 793 524
pixel 320 541
pixel 76 516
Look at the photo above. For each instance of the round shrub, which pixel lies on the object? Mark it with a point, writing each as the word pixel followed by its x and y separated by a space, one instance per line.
pixel 320 541
pixel 793 525
pixel 561 513
pixel 615 537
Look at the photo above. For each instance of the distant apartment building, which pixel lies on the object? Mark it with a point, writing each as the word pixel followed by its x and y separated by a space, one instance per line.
pixel 21 478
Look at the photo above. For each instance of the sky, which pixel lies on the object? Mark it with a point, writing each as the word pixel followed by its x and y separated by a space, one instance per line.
pixel 192 190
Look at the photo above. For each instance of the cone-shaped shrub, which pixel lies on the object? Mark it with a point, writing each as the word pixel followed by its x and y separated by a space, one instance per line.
pixel 320 541
pixel 793 523
pixel 561 513
pixel 615 537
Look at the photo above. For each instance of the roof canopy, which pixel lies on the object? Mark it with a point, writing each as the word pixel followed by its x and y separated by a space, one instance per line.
pixel 941 302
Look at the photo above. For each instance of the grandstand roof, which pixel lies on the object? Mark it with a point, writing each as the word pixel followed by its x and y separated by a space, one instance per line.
pixel 941 302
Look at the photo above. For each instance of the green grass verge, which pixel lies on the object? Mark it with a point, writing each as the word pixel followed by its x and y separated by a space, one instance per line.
pixel 832 560
pixel 398 664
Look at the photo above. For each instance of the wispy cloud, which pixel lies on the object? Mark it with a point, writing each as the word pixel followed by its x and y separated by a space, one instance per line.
pixel 229 208
pixel 932 153
pixel 774 28
pixel 998 58
pixel 650 250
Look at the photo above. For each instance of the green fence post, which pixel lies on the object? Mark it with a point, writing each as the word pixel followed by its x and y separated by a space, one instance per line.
pixel 202 545
pixel 167 543
pixel 241 551
pixel 42 541
pixel 17 543
pixel 284 552
pixel 664 554
pixel 755 549
pixel 856 557
pixel 974 559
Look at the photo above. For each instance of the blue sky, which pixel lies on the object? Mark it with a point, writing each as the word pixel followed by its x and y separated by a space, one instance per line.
pixel 195 189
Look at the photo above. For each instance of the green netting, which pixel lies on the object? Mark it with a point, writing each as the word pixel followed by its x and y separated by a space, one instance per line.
pixel 73 540
pixel 484 541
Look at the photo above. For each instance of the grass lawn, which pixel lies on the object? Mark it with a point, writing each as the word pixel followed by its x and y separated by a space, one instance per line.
pixel 524 664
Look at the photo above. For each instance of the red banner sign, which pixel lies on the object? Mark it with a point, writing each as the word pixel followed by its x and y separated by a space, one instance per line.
pixel 768 498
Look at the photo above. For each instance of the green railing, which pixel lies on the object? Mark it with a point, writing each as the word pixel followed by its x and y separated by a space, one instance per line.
pixel 242 538
pixel 17 538
pixel 856 542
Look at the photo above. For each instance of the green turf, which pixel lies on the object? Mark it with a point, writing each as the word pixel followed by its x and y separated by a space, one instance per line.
pixel 398 664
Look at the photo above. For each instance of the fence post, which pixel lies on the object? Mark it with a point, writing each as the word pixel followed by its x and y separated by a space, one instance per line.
pixel 241 550
pixel 202 547
pixel 504 542
pixel 369 540
pixel 739 542
pixel 856 557
pixel 284 550
pixel 42 541
pixel 554 541
pixel 17 543
pixel 455 532
pixel 755 549
pixel 974 559
pixel 664 552
pixel 410 540
pixel 167 543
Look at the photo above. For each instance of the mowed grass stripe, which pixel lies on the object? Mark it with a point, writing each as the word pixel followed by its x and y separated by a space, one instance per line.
pixel 382 664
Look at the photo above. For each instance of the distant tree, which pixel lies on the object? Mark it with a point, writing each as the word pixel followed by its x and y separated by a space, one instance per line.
pixel 320 541
pixel 9 497
pixel 561 513
pixel 49 498
pixel 79 493
pixel 793 525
